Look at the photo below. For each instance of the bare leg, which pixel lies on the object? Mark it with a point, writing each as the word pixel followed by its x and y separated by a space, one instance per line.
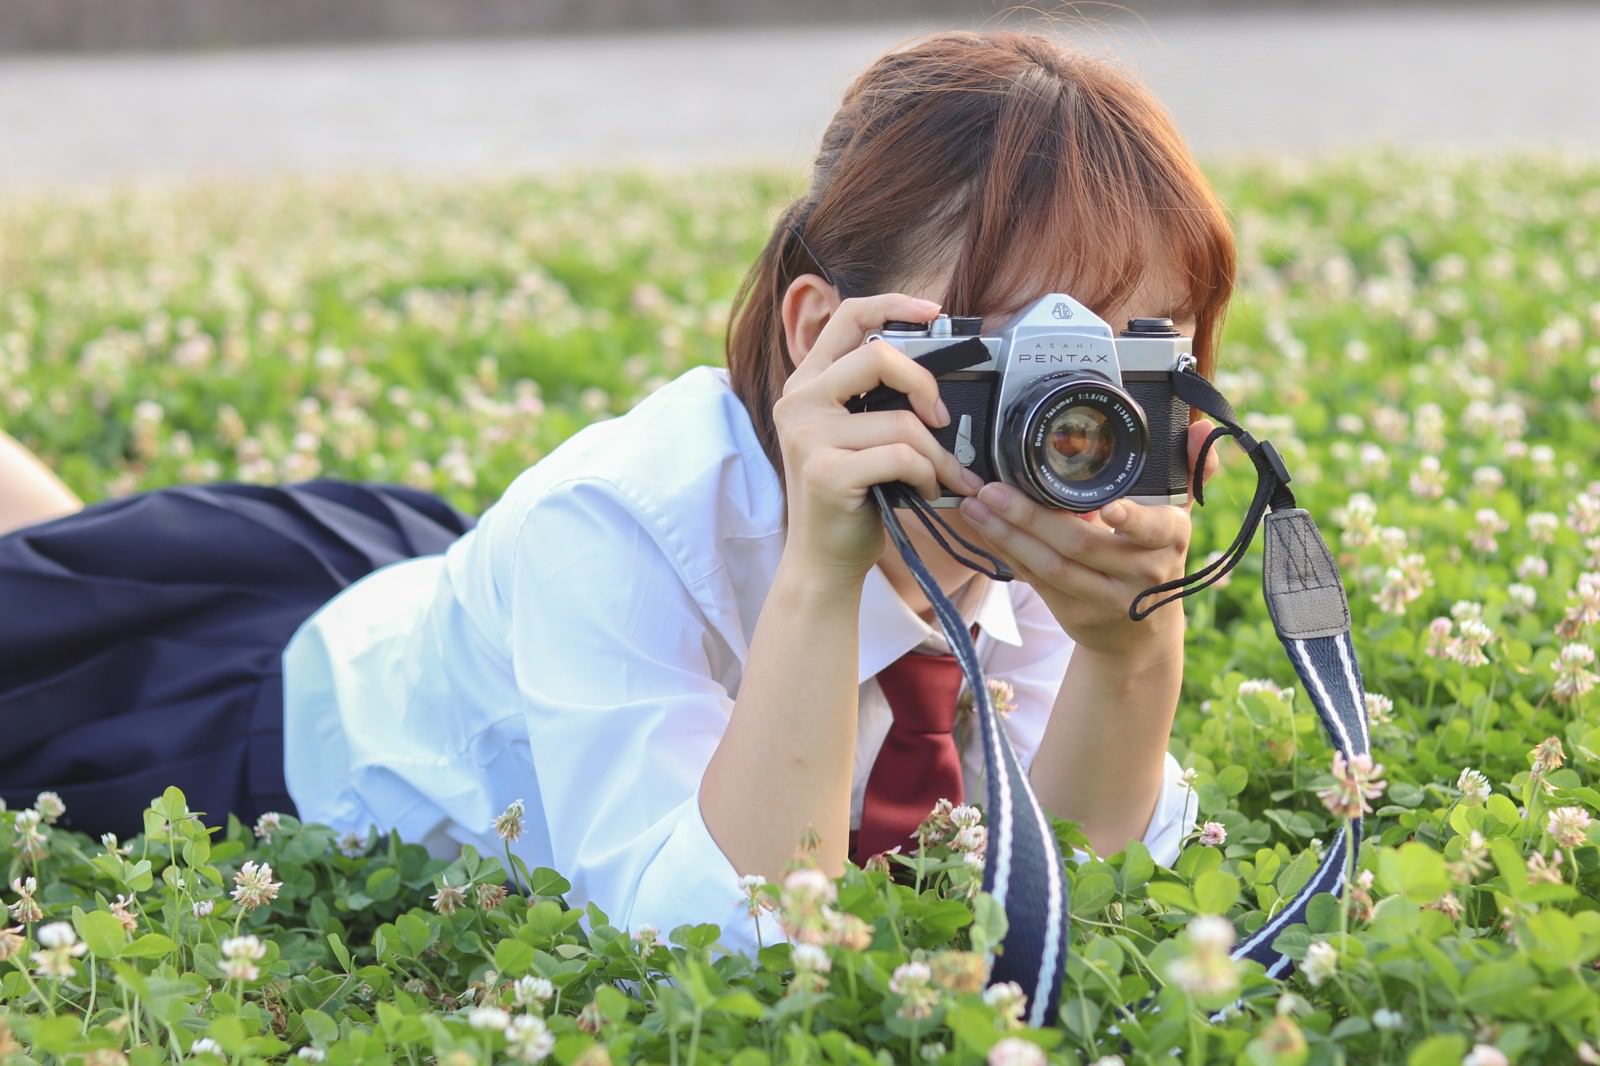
pixel 29 491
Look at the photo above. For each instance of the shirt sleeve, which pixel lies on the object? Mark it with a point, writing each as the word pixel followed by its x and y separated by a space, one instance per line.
pixel 610 654
pixel 1035 670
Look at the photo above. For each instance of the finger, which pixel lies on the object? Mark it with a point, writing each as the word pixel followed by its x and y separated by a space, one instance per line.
pixel 898 461
pixel 1063 532
pixel 852 320
pixel 1198 432
pixel 1149 526
pixel 882 363
pixel 869 429
pixel 1025 553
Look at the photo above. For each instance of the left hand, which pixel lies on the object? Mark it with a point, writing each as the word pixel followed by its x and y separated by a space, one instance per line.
pixel 1088 567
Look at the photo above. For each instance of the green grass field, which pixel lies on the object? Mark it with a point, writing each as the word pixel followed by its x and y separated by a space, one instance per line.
pixel 1420 338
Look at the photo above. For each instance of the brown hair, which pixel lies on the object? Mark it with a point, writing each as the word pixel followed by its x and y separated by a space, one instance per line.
pixel 1039 168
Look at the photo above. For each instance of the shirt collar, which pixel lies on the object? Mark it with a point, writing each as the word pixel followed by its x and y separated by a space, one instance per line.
pixel 890 628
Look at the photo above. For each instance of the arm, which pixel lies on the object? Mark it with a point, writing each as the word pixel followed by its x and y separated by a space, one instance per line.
pixel 1107 771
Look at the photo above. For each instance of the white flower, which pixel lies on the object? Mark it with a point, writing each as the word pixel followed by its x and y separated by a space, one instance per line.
pixel 647 937
pixel 311 1054
pixel 1568 826
pixel 1014 1051
pixel 488 1018
pixel 509 825
pixel 1386 1019
pixel 267 824
pixel 1380 709
pixel 1532 568
pixel 1320 963
pixel 811 958
pixel 529 1039
pixel 1572 679
pixel 1008 1000
pixel 206 1046
pixel 57 935
pixel 909 976
pixel 1213 834
pixel 1468 648
pixel 965 816
pixel 202 908
pixel 1542 526
pixel 239 954
pixel 532 991
pixel 1522 598
pixel 1473 786
pixel 1485 1055
pixel 50 807
pixel 254 885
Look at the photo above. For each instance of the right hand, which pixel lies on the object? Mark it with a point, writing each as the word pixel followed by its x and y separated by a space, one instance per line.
pixel 832 457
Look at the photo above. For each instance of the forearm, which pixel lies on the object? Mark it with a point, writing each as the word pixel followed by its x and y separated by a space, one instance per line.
pixel 29 491
pixel 1100 762
pixel 784 763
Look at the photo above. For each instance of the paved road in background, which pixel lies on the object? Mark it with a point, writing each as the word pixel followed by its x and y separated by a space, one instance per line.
pixel 1242 83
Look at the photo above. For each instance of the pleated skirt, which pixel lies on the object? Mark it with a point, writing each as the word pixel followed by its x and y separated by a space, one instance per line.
pixel 141 639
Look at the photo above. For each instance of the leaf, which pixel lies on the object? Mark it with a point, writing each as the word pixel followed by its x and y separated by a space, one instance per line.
pixel 1295 875
pixel 322 1029
pixel 1439 1051
pixel 383 884
pixel 740 1004
pixel 1172 894
pixel 513 957
pixel 1137 866
pixel 150 946
pixel 101 931
pixel 1233 779
pixel 1415 871
pixel 415 932
pixel 1216 892
pixel 340 952
pixel 1092 892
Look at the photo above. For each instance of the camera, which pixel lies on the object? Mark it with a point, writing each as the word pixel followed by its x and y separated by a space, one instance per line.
pixel 1061 409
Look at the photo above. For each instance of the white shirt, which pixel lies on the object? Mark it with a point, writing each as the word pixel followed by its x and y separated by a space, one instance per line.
pixel 581 649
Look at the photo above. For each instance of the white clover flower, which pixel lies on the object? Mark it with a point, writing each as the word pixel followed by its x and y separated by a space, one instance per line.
pixel 1485 1055
pixel 1008 1000
pixel 1488 523
pixel 1488 479
pixel 1014 1051
pixel 1473 786
pixel 532 991
pixel 1213 834
pixel 910 976
pixel 1583 514
pixel 57 935
pixel 488 1018
pixel 529 1039
pixel 965 816
pixel 271 821
pixel 1380 709
pixel 240 954
pixel 1532 568
pixel 1573 679
pixel 647 937
pixel 1440 638
pixel 1468 648
pixel 206 1046
pixel 1521 598
pixel 254 886
pixel 1355 781
pixel 450 898
pixel 1321 962
pixel 508 826
pixel 811 958
pixel 932 1051
pixel 1568 826
pixel 50 807
pixel 1462 610
pixel 311 1054
pixel 60 945
pixel 1542 526
pixel 1388 1020
pixel 1428 480
pixel 202 908
pixel 1206 970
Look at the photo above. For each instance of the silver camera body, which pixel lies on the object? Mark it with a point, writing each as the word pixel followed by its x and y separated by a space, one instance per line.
pixel 1063 410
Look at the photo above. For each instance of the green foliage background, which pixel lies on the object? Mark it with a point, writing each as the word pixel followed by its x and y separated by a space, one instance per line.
pixel 1392 313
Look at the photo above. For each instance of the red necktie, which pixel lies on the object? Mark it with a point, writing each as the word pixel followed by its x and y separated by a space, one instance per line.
pixel 919 763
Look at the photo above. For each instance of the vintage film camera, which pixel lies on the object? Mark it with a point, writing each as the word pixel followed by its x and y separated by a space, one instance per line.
pixel 1063 410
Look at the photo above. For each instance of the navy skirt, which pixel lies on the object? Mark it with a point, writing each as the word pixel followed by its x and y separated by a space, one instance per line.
pixel 141 638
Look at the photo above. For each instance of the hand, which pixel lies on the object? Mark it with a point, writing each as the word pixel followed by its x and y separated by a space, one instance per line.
pixel 1088 567
pixel 832 457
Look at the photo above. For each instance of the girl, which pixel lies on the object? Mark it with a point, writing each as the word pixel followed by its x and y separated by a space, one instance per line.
pixel 682 637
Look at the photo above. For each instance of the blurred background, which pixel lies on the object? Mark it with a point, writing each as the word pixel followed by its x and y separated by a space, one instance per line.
pixel 92 90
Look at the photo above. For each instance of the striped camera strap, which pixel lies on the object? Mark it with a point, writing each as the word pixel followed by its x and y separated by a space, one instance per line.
pixel 1023 868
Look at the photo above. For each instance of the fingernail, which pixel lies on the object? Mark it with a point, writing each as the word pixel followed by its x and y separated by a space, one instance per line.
pixel 1114 512
pixel 974 510
pixel 943 412
pixel 999 495
pixel 972 481
pixel 925 305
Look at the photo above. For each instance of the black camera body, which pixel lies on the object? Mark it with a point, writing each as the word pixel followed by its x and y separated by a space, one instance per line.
pixel 1063 410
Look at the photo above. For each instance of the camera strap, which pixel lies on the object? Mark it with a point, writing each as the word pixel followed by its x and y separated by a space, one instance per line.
pixel 1023 866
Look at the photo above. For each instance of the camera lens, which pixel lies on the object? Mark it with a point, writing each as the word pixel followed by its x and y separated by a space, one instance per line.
pixel 1075 441
pixel 1080 440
